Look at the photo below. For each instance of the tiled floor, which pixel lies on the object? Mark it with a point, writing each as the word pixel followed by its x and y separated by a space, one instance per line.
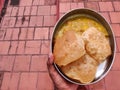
pixel 25 33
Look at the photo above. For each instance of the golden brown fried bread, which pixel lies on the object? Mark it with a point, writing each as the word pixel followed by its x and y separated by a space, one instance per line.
pixel 92 34
pixel 68 48
pixel 97 45
pixel 83 70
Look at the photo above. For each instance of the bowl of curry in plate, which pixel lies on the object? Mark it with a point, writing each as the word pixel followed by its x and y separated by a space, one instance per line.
pixel 83 45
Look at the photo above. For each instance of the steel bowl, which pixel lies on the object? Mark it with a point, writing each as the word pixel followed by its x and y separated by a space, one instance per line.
pixel 104 67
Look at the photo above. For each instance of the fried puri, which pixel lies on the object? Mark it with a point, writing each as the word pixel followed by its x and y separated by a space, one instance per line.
pixel 82 70
pixel 68 48
pixel 97 45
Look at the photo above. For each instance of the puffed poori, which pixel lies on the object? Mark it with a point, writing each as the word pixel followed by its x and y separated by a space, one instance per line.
pixel 83 69
pixel 68 48
pixel 97 45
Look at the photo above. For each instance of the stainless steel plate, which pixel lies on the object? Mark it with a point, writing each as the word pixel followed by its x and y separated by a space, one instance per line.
pixel 104 67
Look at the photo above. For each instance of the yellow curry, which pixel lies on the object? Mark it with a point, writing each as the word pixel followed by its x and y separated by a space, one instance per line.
pixel 80 24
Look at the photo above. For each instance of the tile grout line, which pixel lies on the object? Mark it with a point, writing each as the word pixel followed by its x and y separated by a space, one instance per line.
pixel 2 78
pixel 18 85
pixel 30 63
pixel 105 84
pixel 13 63
pixel 57 10
pixel 37 80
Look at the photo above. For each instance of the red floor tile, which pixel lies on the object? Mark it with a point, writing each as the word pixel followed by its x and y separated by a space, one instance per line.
pixel 28 81
pixel 21 47
pixel 10 81
pixel 27 10
pixel 116 5
pixel 33 20
pixel 74 5
pixel 36 21
pixel 77 0
pixel 64 7
pixel 13 83
pixel 65 1
pixel 41 33
pixel 6 81
pixel 32 47
pixel 49 20
pixel 50 2
pixel 98 86
pixel 6 63
pixel 112 80
pixel 14 11
pixel 8 35
pixel 51 32
pixel 106 16
pixel 5 47
pixel 117 48
pixel 41 2
pixel 2 34
pixel 53 10
pixel 43 10
pixel 116 65
pixel 36 2
pixel 34 10
pixel 8 11
pixel 25 2
pixel 21 11
pixel 92 5
pixel 12 21
pixel 25 21
pixel 118 43
pixel 15 34
pixel 116 29
pixel 23 34
pixel 5 22
pixel 30 33
pixel 93 0
pixel 81 5
pixel 115 17
pixel 18 22
pixel 39 63
pixel 45 48
pixel 22 63
pixel 44 82
pixel 106 6
pixel 13 47
pixel 39 21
